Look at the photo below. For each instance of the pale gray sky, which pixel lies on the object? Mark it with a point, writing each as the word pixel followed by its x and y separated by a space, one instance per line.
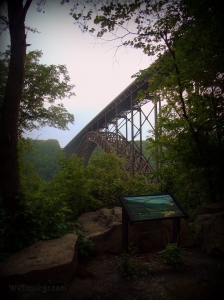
pixel 98 75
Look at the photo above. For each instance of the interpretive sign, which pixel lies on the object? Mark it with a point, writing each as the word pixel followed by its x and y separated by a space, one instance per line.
pixel 152 207
pixel 141 208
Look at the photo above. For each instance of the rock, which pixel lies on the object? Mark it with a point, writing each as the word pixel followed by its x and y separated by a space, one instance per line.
pixel 104 228
pixel 210 209
pixel 55 260
pixel 210 228
pixel 155 235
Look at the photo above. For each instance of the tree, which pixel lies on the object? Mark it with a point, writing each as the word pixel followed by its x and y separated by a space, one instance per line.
pixel 191 121
pixel 186 40
pixel 70 184
pixel 106 178
pixel 9 110
pixel 43 85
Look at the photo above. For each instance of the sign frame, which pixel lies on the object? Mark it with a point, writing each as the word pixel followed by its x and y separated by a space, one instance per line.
pixel 132 220
pixel 127 217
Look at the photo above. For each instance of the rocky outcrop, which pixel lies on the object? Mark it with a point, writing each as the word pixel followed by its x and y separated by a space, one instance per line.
pixel 54 260
pixel 209 226
pixel 104 228
pixel 210 209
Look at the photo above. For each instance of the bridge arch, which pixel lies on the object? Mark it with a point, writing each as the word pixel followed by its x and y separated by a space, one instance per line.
pixel 89 143
pixel 116 143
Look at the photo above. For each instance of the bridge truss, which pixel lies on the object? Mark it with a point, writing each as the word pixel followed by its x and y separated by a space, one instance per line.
pixel 118 128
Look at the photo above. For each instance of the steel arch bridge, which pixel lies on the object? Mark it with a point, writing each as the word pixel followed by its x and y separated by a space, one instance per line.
pixel 118 128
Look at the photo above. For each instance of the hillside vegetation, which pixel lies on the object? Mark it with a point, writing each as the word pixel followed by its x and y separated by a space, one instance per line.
pixel 51 208
pixel 44 157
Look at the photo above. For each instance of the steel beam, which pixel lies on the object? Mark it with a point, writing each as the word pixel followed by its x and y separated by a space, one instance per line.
pixel 110 130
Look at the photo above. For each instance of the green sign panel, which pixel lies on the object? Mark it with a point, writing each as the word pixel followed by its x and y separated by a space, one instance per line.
pixel 152 207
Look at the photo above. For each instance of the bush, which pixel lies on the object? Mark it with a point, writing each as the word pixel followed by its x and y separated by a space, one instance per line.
pixel 85 246
pixel 38 219
pixel 71 185
pixel 127 266
pixel 136 185
pixel 106 178
pixel 52 216
pixel 16 231
pixel 173 255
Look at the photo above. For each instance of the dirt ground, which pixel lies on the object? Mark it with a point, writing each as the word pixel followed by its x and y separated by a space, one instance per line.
pixel 200 277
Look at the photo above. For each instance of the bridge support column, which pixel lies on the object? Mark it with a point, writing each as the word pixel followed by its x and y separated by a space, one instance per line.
pixel 116 132
pixel 132 138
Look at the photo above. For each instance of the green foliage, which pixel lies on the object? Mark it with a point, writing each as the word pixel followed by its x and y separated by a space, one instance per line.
pixel 71 185
pixel 96 152
pixel 50 209
pixel 138 184
pixel 33 108
pixel 29 178
pixel 42 84
pixel 145 145
pixel 52 216
pixel 173 255
pixel 42 214
pixel 15 231
pixel 99 184
pixel 44 157
pixel 127 266
pixel 106 178
pixel 189 76
pixel 85 246
pixel 38 219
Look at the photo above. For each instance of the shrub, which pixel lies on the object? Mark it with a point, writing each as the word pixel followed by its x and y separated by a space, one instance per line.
pixel 38 219
pixel 127 266
pixel 85 246
pixel 173 255
pixel 106 178
pixel 70 184
pixel 16 231
pixel 130 267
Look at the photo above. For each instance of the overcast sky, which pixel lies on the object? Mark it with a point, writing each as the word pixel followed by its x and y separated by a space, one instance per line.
pixel 99 76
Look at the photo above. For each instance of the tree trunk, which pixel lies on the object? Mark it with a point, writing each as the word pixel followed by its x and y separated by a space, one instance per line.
pixel 9 112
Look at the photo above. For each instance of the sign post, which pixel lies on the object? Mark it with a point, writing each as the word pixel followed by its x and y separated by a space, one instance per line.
pixel 142 208
pixel 124 230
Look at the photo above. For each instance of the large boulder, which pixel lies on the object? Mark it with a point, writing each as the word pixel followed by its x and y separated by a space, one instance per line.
pixel 104 228
pixel 210 228
pixel 210 209
pixel 55 260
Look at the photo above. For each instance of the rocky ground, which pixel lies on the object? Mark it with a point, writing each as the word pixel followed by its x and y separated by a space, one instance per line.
pixel 200 277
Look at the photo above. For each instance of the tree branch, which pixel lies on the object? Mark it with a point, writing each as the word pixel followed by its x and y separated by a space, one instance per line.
pixel 26 7
pixel 4 20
